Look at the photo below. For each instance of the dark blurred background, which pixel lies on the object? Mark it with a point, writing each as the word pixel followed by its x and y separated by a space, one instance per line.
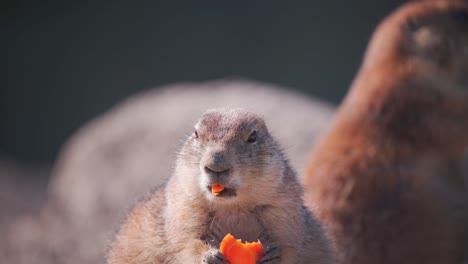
pixel 68 61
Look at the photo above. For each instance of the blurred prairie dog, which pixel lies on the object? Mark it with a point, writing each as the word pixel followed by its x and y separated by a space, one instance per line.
pixel 185 221
pixel 385 180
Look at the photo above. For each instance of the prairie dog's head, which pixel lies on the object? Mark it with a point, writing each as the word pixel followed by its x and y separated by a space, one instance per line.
pixel 440 36
pixel 425 37
pixel 233 157
pixel 414 79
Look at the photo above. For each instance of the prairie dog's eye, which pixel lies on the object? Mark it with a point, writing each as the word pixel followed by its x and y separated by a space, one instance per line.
pixel 195 134
pixel 412 24
pixel 252 137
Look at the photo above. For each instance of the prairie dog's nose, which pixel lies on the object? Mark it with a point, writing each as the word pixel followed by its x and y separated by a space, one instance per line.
pixel 217 163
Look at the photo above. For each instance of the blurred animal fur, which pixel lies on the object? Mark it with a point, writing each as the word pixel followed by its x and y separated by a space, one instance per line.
pixel 386 180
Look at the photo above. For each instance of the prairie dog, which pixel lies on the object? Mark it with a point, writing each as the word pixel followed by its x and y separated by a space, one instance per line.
pixel 185 220
pixel 385 180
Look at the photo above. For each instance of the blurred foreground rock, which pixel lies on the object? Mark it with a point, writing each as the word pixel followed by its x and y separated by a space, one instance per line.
pixel 118 157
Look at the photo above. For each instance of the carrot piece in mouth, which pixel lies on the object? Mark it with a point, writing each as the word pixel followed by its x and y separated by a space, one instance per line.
pixel 216 188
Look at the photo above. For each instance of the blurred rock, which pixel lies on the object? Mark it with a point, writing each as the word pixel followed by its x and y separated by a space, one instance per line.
pixel 118 157
pixel 22 188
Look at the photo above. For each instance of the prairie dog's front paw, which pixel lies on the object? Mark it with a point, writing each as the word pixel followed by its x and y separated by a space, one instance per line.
pixel 214 257
pixel 272 255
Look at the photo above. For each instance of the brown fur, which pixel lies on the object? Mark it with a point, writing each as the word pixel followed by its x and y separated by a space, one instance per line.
pixel 386 179
pixel 183 221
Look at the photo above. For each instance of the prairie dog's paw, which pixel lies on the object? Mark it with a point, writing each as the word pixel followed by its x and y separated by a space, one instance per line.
pixel 272 255
pixel 214 257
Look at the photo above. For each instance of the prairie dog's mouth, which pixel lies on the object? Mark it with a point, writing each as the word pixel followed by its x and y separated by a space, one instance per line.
pixel 219 190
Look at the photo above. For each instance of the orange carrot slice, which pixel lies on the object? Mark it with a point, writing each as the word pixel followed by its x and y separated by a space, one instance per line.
pixel 240 253
pixel 216 188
